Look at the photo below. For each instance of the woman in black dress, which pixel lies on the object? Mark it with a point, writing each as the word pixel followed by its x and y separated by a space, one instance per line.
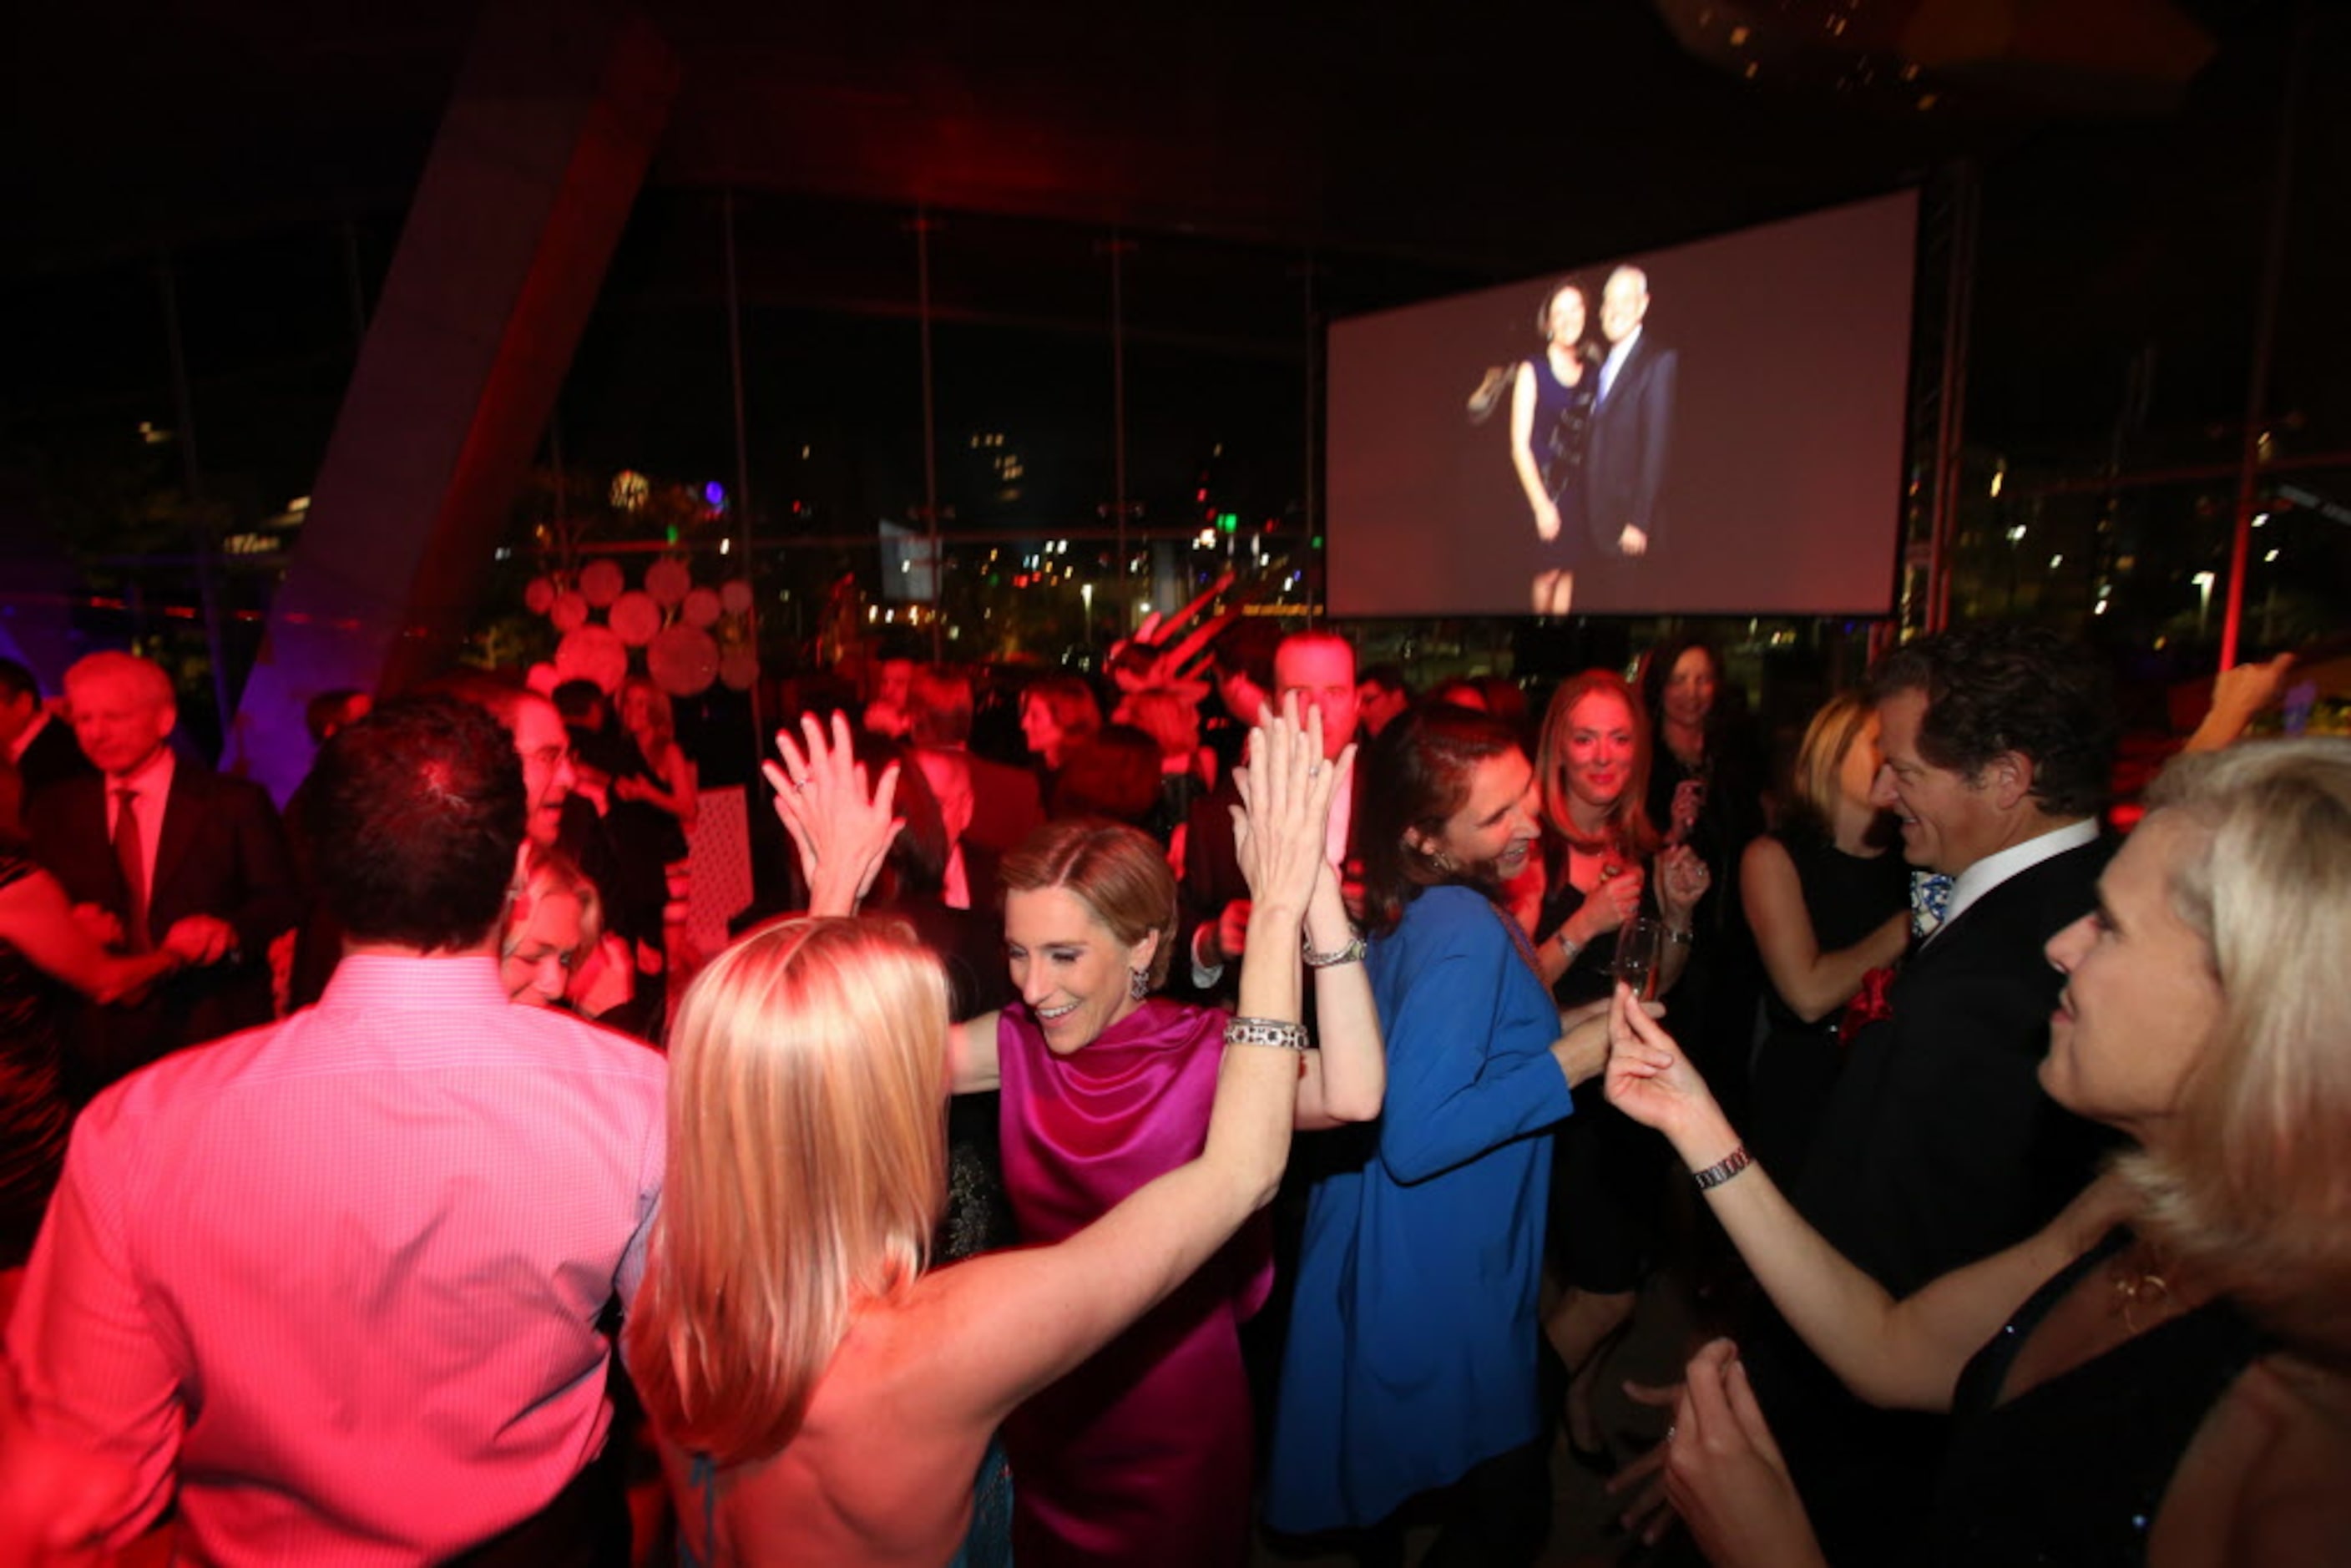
pixel 1828 902
pixel 1603 866
pixel 1552 395
pixel 2179 1390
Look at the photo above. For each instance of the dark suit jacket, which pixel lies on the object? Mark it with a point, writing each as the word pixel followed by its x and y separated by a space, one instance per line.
pixel 1006 807
pixel 1938 1147
pixel 1212 879
pixel 1627 445
pixel 54 757
pixel 221 854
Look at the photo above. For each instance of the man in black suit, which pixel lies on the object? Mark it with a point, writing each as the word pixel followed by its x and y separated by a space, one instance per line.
pixel 150 846
pixel 41 748
pixel 1938 1146
pixel 1319 667
pixel 1632 423
pixel 1003 802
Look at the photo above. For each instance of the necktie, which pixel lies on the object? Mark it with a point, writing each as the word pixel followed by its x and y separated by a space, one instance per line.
pixel 130 855
pixel 1930 898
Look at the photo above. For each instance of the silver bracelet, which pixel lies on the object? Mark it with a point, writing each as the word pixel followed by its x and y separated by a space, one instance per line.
pixel 1723 1169
pixel 1568 945
pixel 1680 938
pixel 1353 953
pixel 1274 1033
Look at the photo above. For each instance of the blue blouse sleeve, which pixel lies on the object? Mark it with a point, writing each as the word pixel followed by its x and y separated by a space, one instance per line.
pixel 1468 1037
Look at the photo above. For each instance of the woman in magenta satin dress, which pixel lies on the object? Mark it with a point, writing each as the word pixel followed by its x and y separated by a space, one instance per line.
pixel 1144 1454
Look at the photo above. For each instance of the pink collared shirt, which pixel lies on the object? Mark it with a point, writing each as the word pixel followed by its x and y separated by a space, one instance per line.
pixel 339 1277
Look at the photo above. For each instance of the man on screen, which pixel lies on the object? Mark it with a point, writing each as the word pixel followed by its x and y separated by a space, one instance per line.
pixel 1632 423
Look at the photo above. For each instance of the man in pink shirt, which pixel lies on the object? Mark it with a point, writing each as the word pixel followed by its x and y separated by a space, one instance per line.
pixel 337 1282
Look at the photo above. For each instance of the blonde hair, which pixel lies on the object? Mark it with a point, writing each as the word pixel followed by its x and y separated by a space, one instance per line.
pixel 2251 1190
pixel 1829 739
pixel 660 715
pixel 807 1171
pixel 547 871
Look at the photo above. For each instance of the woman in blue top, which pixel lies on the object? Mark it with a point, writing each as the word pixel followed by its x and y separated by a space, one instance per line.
pixel 1411 1365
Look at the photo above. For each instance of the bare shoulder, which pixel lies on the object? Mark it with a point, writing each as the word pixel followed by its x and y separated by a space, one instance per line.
pixel 2262 1483
pixel 1765 854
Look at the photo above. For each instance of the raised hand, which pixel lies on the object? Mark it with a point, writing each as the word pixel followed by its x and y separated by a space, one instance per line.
pixel 1282 829
pixel 839 821
pixel 1611 902
pixel 1682 880
pixel 1724 1473
pixel 1690 798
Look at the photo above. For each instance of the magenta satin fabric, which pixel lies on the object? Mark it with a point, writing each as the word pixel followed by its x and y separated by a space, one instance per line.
pixel 1142 1455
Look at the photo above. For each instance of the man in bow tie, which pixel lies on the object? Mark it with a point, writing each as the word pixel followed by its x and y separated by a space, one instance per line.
pixel 1939 1145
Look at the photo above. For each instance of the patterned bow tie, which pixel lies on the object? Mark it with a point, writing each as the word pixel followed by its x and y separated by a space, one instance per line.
pixel 1930 897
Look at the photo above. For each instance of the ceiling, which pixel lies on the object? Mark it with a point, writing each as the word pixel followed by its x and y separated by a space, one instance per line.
pixel 2127 143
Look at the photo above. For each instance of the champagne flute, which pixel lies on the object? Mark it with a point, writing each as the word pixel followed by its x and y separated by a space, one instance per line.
pixel 1640 948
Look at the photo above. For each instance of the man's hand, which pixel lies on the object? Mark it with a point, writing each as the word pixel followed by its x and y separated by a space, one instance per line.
pixel 200 939
pixel 1230 935
pixel 103 926
pixel 1634 540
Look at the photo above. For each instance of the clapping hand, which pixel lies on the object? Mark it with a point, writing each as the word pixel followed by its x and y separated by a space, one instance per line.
pixel 839 820
pixel 1282 830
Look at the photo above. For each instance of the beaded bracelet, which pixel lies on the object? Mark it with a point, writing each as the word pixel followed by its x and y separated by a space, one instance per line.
pixel 1353 953
pixel 1723 1169
pixel 1265 1032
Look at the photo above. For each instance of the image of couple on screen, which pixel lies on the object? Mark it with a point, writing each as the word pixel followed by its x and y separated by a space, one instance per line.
pixel 1591 423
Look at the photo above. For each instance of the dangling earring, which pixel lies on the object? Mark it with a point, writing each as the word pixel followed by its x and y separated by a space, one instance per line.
pixel 1138 983
pixel 1440 862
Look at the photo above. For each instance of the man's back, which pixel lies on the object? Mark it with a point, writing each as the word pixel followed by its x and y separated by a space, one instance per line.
pixel 343 1274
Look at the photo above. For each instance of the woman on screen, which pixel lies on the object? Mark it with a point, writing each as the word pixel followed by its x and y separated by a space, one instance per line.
pixel 1551 406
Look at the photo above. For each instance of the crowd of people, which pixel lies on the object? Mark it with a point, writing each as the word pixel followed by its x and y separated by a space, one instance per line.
pixel 1256 1114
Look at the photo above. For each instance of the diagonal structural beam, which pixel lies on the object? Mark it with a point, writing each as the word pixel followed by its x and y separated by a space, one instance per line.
pixel 531 177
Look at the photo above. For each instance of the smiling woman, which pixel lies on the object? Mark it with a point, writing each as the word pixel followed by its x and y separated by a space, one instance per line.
pixel 1104 1086
pixel 2177 1384
pixel 1388 1392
